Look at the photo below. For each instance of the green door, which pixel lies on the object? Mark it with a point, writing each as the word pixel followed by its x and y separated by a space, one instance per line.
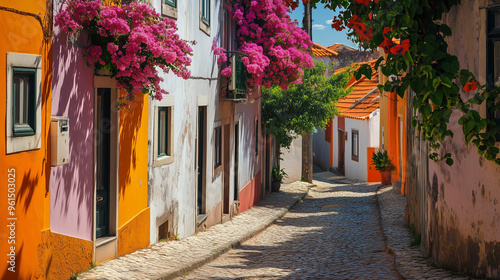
pixel 103 171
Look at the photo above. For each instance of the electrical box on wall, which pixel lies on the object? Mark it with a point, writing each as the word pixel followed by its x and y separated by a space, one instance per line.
pixel 59 138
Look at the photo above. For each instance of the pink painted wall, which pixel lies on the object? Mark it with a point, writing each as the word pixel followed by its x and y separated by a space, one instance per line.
pixel 71 185
pixel 463 206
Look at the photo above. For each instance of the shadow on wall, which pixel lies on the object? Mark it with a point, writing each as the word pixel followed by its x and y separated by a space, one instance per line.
pixel 73 97
pixel 130 123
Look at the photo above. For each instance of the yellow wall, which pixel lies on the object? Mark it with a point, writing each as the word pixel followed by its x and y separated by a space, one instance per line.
pixel 23 34
pixel 133 217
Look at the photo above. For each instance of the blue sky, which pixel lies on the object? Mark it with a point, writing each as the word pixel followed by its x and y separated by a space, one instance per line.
pixel 323 33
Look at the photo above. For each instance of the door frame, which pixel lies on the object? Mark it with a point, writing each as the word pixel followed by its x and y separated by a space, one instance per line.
pixel 204 160
pixel 106 247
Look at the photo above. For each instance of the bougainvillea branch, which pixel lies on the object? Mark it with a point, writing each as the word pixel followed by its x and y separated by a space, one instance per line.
pixel 414 41
pixel 276 48
pixel 131 41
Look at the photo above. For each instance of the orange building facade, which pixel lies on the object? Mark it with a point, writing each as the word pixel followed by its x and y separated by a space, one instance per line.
pixel 393 122
pixel 25 63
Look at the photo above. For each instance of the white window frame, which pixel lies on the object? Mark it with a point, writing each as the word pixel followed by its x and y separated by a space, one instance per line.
pixel 169 158
pixel 204 26
pixel 31 142
pixel 168 10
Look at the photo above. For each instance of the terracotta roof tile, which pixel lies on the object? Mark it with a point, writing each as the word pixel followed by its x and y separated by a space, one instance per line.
pixel 333 47
pixel 320 51
pixel 364 98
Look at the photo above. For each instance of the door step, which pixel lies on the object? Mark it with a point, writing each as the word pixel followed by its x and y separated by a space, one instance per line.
pixel 105 249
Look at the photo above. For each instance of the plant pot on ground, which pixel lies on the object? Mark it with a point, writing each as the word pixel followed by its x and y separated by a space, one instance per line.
pixel 277 177
pixel 384 165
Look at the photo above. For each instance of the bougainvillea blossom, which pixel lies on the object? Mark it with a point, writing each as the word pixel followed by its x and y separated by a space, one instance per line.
pixel 276 49
pixel 131 41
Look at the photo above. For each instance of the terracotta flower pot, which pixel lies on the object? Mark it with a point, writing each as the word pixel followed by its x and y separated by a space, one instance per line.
pixel 386 177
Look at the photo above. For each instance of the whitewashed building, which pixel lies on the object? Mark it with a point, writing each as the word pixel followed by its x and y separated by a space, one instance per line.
pixel 204 141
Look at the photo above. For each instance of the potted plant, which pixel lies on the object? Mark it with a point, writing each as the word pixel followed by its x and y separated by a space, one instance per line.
pixel 277 177
pixel 383 164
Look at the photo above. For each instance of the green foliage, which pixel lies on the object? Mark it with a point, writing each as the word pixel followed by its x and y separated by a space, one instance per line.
pixel 278 174
pixel 287 114
pixel 382 161
pixel 426 67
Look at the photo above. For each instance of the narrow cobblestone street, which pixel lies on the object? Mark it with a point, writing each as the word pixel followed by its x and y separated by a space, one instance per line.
pixel 334 233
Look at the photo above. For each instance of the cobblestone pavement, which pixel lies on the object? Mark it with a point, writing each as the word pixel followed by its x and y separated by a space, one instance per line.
pixel 409 261
pixel 165 260
pixel 334 233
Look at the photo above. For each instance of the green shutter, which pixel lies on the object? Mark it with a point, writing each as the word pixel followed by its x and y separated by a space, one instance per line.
pixel 172 3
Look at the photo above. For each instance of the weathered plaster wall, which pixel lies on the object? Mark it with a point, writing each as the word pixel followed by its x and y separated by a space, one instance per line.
pixel 321 148
pixel 172 187
pixel 335 142
pixel 23 34
pixel 346 58
pixel 291 160
pixel 460 211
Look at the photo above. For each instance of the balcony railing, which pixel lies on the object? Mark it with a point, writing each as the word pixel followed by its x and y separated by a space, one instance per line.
pixel 236 83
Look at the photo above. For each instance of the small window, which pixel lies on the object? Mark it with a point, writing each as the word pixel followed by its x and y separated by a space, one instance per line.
pixel 205 11
pixel 163 132
pixel 493 58
pixel 256 137
pixel 355 145
pixel 24 101
pixel 164 142
pixel 217 146
pixel 172 3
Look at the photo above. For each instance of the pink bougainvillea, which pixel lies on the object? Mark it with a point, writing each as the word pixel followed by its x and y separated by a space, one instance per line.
pixel 131 41
pixel 276 48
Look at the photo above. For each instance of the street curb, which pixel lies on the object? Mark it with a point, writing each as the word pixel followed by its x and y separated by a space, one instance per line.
pixel 389 250
pixel 234 243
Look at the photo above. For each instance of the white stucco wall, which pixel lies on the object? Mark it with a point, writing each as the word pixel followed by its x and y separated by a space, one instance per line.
pixel 321 149
pixel 335 139
pixel 291 161
pixel 172 187
pixel 356 169
pixel 374 127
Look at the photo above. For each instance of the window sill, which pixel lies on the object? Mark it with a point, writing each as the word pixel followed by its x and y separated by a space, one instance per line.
pixel 165 160
pixel 205 27
pixel 217 170
pixel 168 11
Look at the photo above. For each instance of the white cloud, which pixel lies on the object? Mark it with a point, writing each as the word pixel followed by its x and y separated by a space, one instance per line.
pixel 318 27
pixel 329 21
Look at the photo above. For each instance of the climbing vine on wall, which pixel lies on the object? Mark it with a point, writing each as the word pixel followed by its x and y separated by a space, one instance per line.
pixel 414 41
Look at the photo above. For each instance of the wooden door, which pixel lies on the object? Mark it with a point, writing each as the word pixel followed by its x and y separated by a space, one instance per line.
pixel 341 166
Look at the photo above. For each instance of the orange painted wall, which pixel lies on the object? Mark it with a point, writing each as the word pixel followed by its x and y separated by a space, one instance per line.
pixel 372 175
pixel 392 111
pixel 250 194
pixel 23 34
pixel 133 210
